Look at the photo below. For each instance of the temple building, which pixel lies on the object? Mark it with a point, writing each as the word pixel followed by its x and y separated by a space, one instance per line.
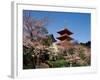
pixel 65 38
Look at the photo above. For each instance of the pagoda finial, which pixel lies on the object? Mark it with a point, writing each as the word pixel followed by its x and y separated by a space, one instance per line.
pixel 65 24
pixel 64 27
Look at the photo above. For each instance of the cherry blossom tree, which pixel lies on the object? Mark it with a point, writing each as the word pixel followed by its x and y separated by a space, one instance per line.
pixel 34 29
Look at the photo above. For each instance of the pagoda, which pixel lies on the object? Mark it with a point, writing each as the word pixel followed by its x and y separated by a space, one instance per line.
pixel 65 38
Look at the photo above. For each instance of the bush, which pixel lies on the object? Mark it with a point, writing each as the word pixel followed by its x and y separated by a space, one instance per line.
pixel 28 60
pixel 60 57
pixel 59 63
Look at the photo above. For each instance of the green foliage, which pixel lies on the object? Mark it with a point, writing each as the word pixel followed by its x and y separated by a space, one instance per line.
pixel 60 57
pixel 28 60
pixel 58 63
pixel 87 44
pixel 44 30
pixel 47 41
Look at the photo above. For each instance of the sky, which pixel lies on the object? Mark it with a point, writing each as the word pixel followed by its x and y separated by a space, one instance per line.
pixel 78 23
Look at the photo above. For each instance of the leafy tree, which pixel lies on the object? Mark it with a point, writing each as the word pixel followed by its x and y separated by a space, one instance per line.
pixel 35 28
pixel 87 44
pixel 47 41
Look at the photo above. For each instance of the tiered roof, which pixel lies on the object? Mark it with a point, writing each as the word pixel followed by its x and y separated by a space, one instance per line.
pixel 65 35
pixel 65 31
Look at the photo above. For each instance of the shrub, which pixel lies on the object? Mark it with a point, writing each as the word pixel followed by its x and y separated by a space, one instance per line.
pixel 59 63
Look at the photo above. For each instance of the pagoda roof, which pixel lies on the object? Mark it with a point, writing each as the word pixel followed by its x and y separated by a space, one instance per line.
pixel 65 31
pixel 64 37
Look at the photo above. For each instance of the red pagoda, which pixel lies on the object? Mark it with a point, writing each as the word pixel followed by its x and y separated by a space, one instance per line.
pixel 65 39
